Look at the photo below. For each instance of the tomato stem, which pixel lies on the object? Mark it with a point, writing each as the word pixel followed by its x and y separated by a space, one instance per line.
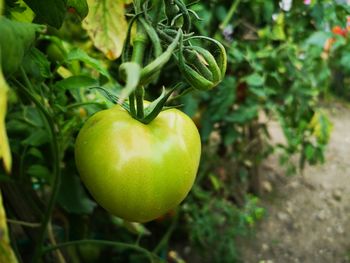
pixel 132 105
pixel 156 11
pixel 140 93
pixel 140 42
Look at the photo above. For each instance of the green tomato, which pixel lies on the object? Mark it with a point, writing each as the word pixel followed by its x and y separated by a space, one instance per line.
pixel 137 171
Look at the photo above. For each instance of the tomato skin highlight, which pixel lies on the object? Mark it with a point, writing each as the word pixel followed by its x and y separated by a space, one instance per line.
pixel 137 171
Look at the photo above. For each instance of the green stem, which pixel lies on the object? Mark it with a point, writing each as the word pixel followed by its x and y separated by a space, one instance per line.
pixel 230 13
pixel 79 104
pixel 140 93
pixel 156 11
pixel 140 43
pixel 137 6
pixel 55 170
pixel 150 256
pixel 22 223
pixel 132 105
pixel 167 235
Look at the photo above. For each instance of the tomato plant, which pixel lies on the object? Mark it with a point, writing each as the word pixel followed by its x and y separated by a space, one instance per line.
pixel 138 171
pixel 75 78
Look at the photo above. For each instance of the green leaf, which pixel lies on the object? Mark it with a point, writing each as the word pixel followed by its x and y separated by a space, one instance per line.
pixel 223 99
pixel 153 109
pixel 309 152
pixel 51 12
pixel 345 61
pixel 278 28
pixel 36 64
pixel 230 137
pixel 39 171
pixel 72 196
pixel 35 152
pixel 255 79
pixel 318 39
pixel 242 115
pixel 77 82
pixel 79 54
pixel 216 183
pixel 106 25
pixel 79 6
pixel 37 138
pixel 20 12
pixel 16 39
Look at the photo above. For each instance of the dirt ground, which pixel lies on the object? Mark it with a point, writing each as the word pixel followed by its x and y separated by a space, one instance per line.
pixel 307 216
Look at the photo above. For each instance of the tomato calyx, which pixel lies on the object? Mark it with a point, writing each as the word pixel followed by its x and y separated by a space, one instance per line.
pixel 151 111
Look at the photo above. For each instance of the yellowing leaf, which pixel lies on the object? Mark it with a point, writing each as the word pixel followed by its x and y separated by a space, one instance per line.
pixel 321 127
pixel 6 252
pixel 1 6
pixel 107 26
pixel 5 153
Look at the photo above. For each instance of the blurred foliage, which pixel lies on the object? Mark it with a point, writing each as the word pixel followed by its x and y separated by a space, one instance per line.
pixel 281 61
pixel 215 225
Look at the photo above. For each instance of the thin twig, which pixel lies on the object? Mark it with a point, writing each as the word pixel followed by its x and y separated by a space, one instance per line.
pixel 122 245
pixel 53 241
pixel 23 223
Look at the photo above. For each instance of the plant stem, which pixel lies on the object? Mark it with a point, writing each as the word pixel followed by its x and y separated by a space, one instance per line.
pixel 149 254
pixel 132 104
pixel 140 93
pixel 156 11
pixel 55 170
pixel 167 235
pixel 52 239
pixel 140 43
pixel 22 223
pixel 79 104
pixel 230 13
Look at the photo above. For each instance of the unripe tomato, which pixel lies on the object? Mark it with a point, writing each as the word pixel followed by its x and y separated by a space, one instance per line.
pixel 137 171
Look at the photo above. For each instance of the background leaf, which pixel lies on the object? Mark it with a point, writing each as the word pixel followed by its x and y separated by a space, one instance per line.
pixel 107 26
pixel 78 54
pixel 80 7
pixel 51 12
pixel 76 82
pixel 72 196
pixel 16 39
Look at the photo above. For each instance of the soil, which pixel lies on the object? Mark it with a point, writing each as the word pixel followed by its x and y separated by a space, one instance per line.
pixel 307 215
